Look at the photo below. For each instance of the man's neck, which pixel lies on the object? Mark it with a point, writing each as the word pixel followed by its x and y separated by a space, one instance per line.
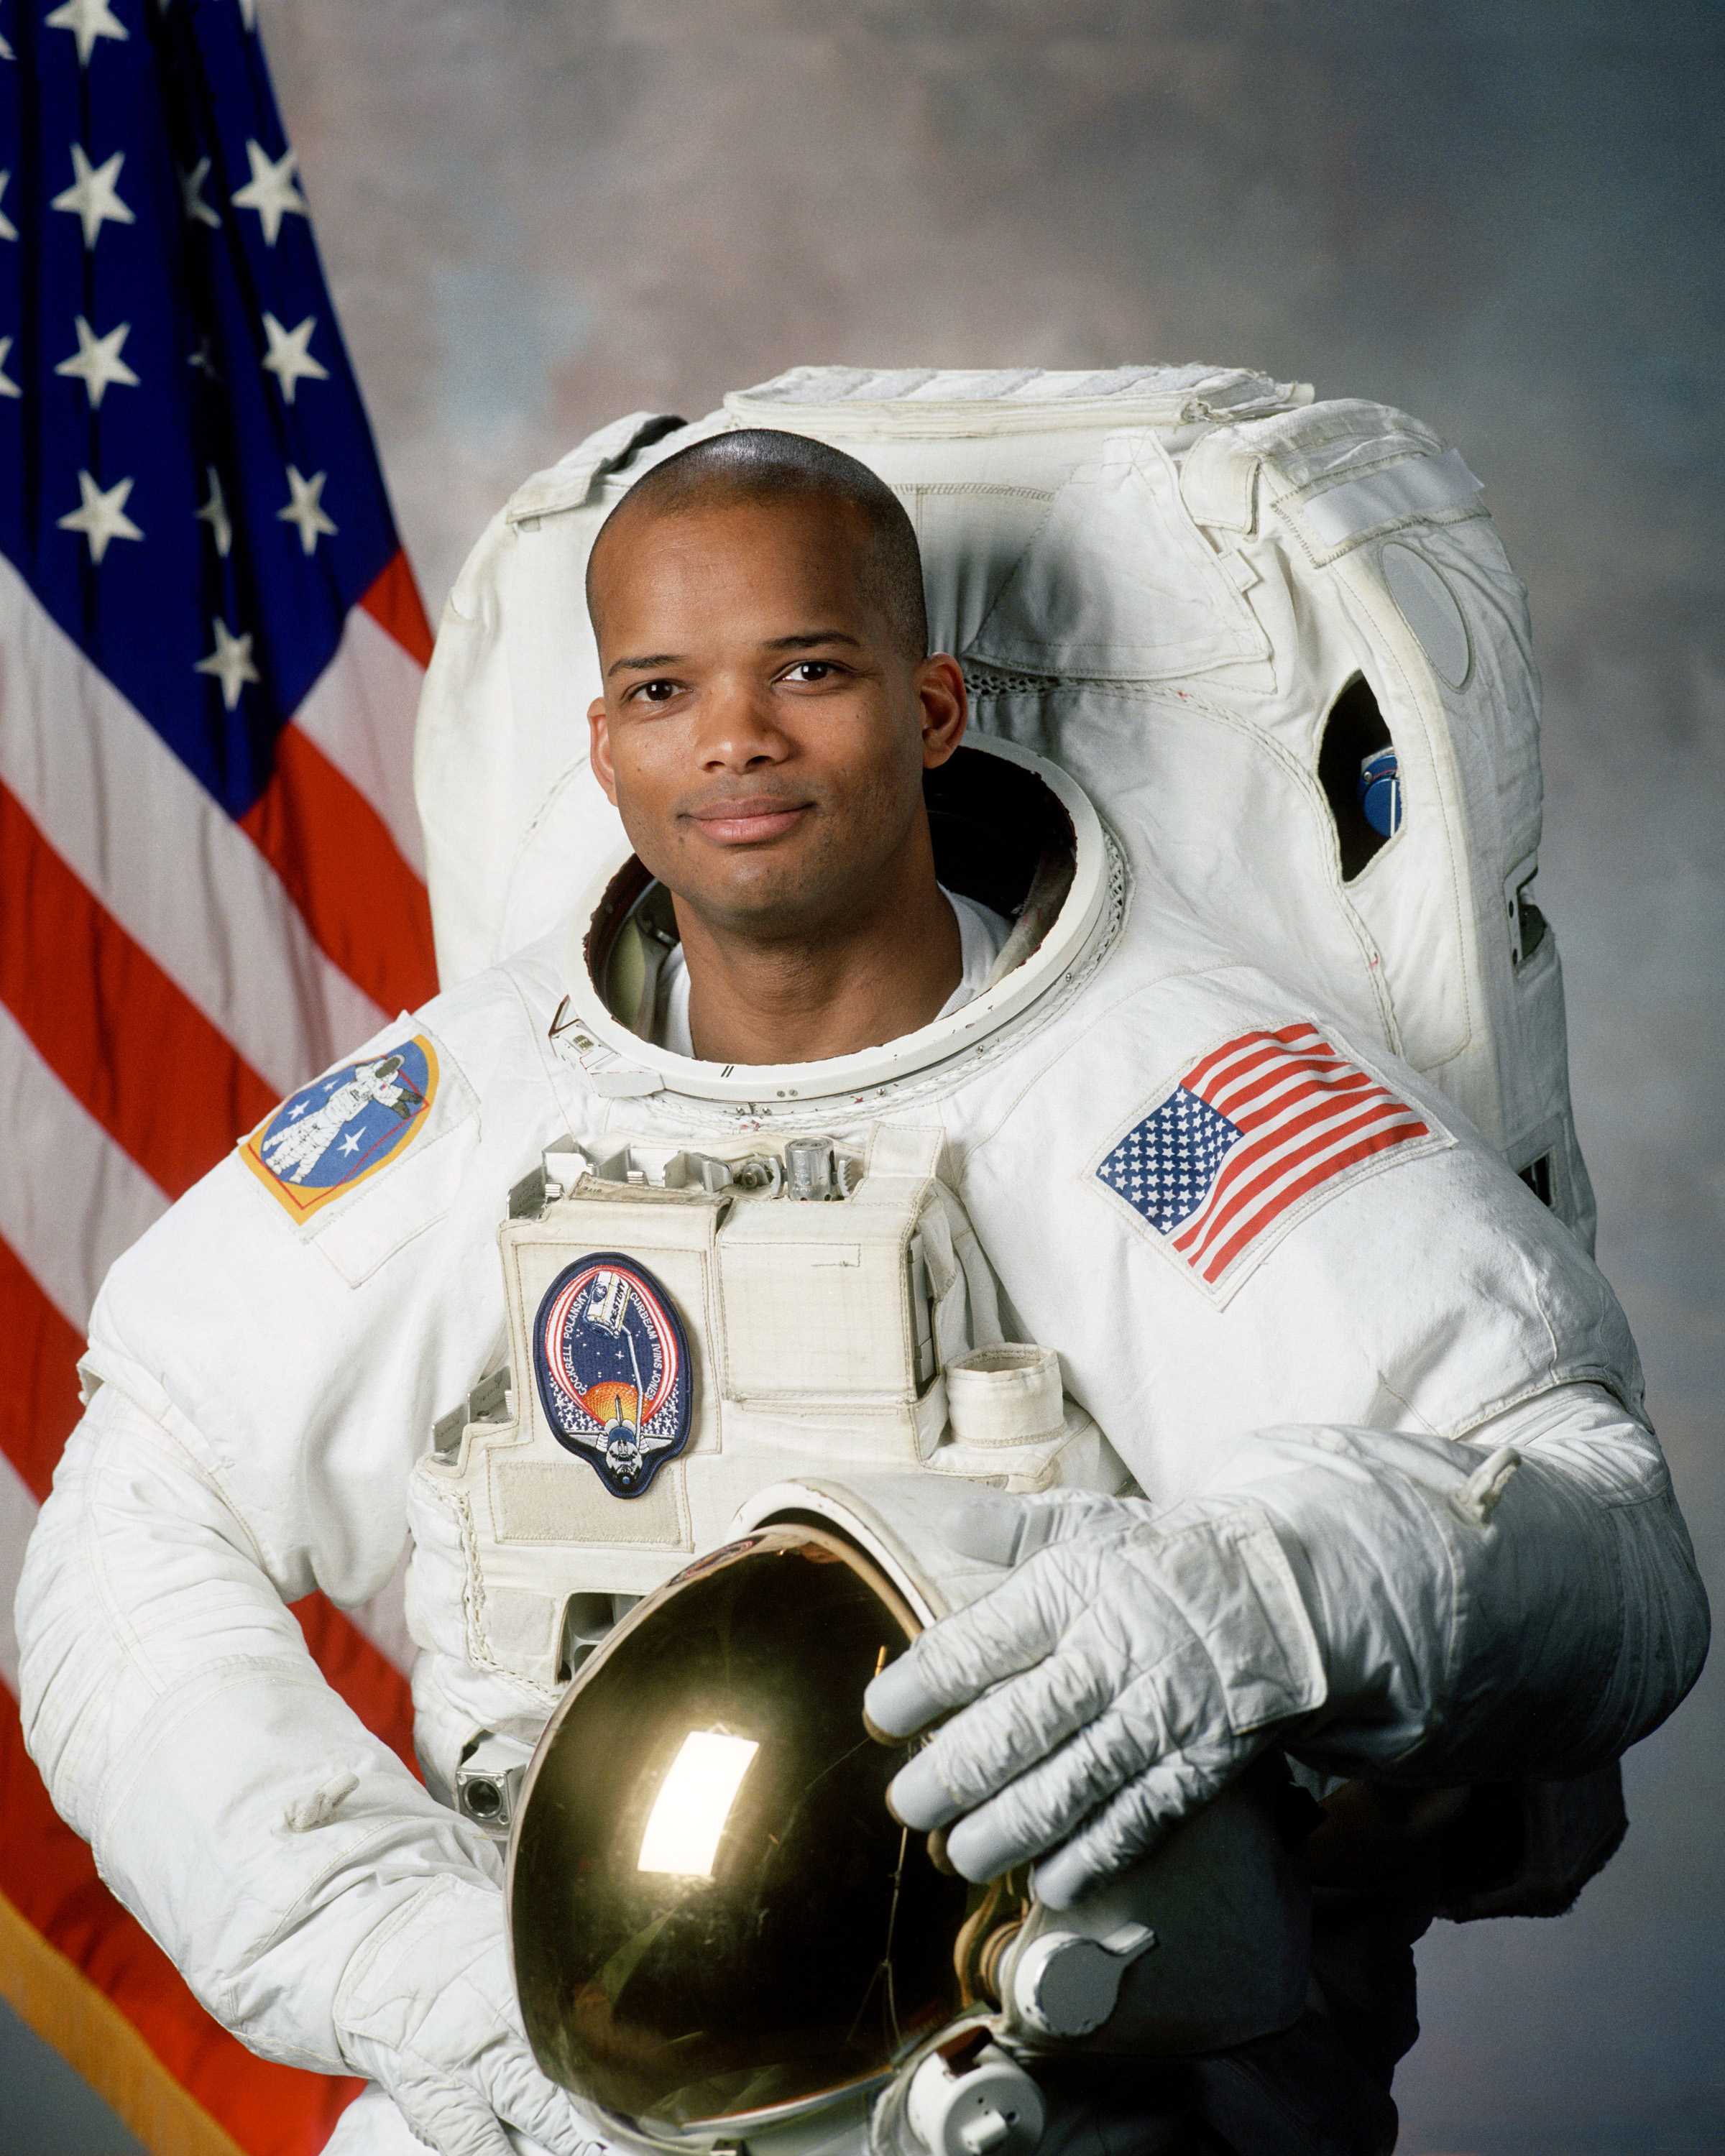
pixel 802 999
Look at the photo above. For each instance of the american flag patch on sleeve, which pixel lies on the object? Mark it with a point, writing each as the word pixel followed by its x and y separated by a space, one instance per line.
pixel 1251 1132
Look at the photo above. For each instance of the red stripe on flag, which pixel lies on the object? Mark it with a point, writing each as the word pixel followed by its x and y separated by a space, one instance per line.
pixel 362 1673
pixel 1267 1136
pixel 1330 1073
pixel 1274 1121
pixel 333 852
pixel 1381 1142
pixel 393 603
pixel 110 1023
pixel 1263 1164
pixel 49 1877
pixel 38 1401
pixel 1194 1079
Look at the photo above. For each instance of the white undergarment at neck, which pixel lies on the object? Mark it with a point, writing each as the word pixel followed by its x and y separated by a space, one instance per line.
pixel 981 934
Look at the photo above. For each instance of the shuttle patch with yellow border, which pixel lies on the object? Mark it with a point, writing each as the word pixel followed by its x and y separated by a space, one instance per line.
pixel 344 1127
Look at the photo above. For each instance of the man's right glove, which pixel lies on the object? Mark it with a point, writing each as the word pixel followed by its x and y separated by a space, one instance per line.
pixel 1127 1669
pixel 427 2009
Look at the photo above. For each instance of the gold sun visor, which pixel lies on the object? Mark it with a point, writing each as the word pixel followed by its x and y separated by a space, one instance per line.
pixel 713 1915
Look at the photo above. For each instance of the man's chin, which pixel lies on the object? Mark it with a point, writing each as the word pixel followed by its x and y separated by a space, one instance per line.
pixel 765 901
pixel 761 917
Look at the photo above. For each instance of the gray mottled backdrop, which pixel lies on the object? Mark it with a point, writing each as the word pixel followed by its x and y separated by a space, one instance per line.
pixel 539 213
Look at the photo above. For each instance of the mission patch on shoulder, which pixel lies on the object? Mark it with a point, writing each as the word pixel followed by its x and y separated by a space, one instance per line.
pixel 344 1127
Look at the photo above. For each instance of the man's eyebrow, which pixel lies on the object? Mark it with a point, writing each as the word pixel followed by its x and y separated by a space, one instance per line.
pixel 644 660
pixel 802 640
pixel 807 638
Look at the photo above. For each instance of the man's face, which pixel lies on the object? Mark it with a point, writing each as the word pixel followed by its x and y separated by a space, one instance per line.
pixel 763 731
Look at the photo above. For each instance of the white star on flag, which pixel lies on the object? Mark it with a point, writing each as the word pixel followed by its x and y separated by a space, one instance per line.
pixel 248 14
pixel 100 517
pixel 8 230
pixel 288 359
pixel 192 194
pixel 9 387
pixel 350 1144
pixel 214 513
pixel 92 196
pixel 201 361
pixel 87 20
pixel 230 663
pixel 6 51
pixel 97 362
pixel 270 190
pixel 304 509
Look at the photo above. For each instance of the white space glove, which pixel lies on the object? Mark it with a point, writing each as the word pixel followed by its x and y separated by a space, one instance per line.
pixel 1137 1665
pixel 427 2009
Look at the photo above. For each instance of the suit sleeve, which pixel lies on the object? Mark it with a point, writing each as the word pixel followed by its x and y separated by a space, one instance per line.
pixel 1422 1380
pixel 235 1806
pixel 1522 1603
pixel 261 1387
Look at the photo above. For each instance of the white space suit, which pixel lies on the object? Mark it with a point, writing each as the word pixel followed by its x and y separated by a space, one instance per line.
pixel 268 1388
pixel 1386 1389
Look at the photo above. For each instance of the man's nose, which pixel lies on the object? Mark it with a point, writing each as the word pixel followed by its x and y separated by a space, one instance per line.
pixel 739 727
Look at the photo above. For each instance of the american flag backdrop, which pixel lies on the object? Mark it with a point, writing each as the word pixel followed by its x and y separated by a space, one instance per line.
pixel 210 652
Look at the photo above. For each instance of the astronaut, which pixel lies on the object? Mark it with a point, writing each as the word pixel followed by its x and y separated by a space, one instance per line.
pixel 1349 1460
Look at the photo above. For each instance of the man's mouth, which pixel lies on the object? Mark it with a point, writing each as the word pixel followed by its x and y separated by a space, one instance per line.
pixel 747 819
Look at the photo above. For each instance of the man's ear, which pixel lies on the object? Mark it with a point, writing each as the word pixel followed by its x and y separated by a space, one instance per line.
pixel 598 735
pixel 945 706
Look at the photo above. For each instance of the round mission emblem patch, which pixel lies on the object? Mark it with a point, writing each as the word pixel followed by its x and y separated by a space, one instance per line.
pixel 344 1127
pixel 613 1369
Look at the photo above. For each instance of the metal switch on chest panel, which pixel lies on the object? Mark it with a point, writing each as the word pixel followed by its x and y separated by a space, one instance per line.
pixel 809 1168
pixel 815 1170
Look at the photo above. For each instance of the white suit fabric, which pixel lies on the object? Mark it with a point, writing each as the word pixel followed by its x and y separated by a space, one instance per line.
pixel 1408 1410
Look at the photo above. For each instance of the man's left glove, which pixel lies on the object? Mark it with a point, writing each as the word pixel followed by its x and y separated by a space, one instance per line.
pixel 1131 1665
pixel 427 2009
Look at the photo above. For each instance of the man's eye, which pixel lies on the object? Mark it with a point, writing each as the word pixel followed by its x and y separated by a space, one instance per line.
pixel 811 671
pixel 655 692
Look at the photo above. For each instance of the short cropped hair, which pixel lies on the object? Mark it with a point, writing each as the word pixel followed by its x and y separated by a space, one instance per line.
pixel 767 465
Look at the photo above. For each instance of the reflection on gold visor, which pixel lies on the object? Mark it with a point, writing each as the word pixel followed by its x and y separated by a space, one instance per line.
pixel 693 1804
pixel 712 1913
